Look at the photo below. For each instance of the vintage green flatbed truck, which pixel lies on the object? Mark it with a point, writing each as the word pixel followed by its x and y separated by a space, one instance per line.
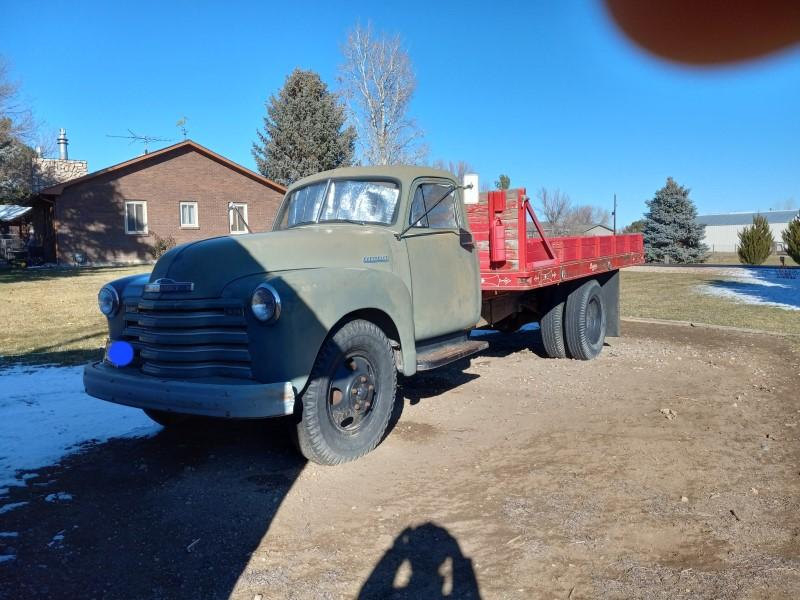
pixel 368 272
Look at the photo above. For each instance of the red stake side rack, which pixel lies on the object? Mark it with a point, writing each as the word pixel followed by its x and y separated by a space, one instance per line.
pixel 516 255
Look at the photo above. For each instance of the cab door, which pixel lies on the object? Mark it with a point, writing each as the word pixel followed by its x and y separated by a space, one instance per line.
pixel 445 275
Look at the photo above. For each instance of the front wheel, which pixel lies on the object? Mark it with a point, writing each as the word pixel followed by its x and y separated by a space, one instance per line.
pixel 350 396
pixel 585 321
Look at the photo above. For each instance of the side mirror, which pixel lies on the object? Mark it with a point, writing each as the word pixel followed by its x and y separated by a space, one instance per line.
pixel 465 239
pixel 471 189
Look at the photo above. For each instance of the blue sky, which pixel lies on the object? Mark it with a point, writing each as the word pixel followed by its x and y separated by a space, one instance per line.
pixel 549 93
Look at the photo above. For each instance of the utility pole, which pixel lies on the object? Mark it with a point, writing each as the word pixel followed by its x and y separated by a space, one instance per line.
pixel 614 214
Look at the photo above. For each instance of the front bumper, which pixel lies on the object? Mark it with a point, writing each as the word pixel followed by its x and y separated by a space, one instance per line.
pixel 233 398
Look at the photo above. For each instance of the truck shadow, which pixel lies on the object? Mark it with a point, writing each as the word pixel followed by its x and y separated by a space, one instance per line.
pixel 171 516
pixel 179 515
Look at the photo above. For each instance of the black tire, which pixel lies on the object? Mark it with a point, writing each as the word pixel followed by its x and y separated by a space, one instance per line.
pixel 552 327
pixel 585 321
pixel 345 408
pixel 169 419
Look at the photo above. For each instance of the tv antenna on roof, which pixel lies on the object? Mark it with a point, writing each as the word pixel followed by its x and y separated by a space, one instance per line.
pixel 142 139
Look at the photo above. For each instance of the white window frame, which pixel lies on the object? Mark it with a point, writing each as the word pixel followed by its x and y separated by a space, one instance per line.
pixel 143 204
pixel 196 224
pixel 243 209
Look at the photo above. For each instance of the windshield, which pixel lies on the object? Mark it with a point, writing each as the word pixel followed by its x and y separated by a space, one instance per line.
pixel 341 200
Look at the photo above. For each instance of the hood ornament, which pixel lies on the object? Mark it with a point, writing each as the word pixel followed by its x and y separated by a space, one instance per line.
pixel 168 285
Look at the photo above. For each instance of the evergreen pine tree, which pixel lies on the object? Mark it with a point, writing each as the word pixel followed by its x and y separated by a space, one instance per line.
pixel 303 131
pixel 791 238
pixel 503 182
pixel 670 231
pixel 755 242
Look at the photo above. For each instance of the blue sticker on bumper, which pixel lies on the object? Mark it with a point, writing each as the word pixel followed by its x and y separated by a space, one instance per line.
pixel 119 354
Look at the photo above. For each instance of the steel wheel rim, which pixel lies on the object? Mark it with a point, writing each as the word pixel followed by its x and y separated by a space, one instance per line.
pixel 351 393
pixel 594 319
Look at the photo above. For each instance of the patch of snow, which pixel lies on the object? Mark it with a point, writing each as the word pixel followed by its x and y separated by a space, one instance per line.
pixel 761 287
pixel 57 540
pixel 9 507
pixel 7 557
pixel 58 497
pixel 9 534
pixel 476 333
pixel 45 415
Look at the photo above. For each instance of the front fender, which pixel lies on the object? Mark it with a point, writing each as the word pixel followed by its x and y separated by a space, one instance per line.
pixel 312 302
pixel 128 288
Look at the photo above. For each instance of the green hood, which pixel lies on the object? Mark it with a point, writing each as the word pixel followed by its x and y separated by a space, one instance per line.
pixel 213 263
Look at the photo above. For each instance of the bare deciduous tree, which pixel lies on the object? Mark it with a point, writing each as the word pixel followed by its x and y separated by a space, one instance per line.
pixel 458 168
pixel 565 219
pixel 581 218
pixel 555 207
pixel 377 83
pixel 21 122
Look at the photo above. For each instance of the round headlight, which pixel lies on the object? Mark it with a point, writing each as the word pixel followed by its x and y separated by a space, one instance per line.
pixel 108 300
pixel 266 304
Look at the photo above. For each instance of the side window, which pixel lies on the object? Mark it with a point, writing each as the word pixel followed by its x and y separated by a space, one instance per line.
pixel 136 217
pixel 443 216
pixel 238 218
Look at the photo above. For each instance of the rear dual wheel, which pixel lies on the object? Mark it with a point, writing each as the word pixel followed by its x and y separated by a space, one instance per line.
pixel 576 327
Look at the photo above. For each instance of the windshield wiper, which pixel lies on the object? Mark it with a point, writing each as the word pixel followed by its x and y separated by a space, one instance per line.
pixel 353 221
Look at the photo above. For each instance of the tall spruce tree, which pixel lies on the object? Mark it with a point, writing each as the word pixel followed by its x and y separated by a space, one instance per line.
pixel 791 238
pixel 755 242
pixel 303 131
pixel 670 231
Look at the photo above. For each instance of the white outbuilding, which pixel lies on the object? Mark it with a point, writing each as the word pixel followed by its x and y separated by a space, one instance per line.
pixel 722 230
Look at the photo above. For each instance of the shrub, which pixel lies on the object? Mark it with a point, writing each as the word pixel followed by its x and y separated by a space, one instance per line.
pixel 755 242
pixel 161 245
pixel 791 238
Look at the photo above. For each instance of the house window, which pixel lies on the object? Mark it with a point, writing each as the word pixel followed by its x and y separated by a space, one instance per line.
pixel 189 215
pixel 136 217
pixel 238 218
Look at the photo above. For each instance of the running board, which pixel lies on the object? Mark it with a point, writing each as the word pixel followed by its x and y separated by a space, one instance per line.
pixel 443 354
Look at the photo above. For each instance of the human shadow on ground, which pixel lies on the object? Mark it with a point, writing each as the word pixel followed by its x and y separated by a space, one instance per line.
pixel 424 562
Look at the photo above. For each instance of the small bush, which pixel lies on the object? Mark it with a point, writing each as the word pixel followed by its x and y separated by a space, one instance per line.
pixel 755 242
pixel 791 238
pixel 161 245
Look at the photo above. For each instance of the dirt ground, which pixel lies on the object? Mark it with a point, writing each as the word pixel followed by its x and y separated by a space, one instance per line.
pixel 510 476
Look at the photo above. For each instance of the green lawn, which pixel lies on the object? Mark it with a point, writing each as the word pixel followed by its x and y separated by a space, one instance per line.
pixel 51 315
pixel 731 258
pixel 670 295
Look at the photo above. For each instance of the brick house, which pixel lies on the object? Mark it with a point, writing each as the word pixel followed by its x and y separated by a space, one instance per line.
pixel 113 216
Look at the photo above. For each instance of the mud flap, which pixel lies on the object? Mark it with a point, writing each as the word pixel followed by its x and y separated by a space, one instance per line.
pixel 609 282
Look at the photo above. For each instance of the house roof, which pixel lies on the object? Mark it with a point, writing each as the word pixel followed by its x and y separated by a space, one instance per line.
pixel 56 190
pixel 600 225
pixel 10 212
pixel 746 218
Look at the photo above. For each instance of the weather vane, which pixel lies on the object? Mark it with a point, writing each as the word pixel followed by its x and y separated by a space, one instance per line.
pixel 142 139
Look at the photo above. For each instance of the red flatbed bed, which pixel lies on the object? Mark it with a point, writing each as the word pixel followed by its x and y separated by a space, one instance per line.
pixel 516 254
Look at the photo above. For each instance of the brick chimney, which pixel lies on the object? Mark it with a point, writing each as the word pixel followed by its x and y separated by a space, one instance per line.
pixel 52 171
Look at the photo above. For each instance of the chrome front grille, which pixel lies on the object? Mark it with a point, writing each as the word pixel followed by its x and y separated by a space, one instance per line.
pixel 189 338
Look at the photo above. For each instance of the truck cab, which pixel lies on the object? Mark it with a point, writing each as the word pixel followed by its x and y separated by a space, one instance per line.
pixel 368 271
